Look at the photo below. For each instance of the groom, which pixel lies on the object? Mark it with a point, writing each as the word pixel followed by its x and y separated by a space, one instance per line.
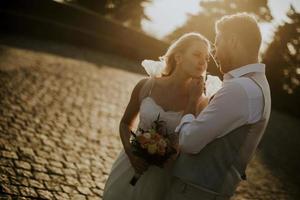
pixel 216 146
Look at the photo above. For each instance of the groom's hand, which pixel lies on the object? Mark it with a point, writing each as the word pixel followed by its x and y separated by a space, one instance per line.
pixel 174 140
pixel 174 143
pixel 197 86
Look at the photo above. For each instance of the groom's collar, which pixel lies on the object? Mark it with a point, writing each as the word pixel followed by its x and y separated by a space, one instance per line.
pixel 238 72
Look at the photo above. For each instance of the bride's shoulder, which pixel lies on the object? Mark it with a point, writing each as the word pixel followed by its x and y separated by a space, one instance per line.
pixel 140 85
pixel 142 82
pixel 141 88
pixel 145 85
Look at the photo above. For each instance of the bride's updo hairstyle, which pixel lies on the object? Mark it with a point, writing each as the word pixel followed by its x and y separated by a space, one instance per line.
pixel 181 45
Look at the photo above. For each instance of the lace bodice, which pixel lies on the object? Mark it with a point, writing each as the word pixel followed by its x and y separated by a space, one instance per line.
pixel 149 111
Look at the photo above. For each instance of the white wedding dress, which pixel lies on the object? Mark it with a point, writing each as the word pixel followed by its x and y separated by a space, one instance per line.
pixel 153 184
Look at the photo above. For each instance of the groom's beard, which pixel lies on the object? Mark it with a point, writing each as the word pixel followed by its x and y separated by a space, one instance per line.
pixel 225 69
pixel 225 66
pixel 221 71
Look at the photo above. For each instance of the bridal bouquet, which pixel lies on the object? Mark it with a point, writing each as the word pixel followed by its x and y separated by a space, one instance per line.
pixel 153 145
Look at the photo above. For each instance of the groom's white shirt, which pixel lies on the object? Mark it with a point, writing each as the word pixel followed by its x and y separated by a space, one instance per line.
pixel 238 102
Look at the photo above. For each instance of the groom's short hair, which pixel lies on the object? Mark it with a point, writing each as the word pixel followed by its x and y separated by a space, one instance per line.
pixel 244 26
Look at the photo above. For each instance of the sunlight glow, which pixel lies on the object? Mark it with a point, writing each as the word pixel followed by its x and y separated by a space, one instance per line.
pixel 291 49
pixel 280 7
pixel 167 15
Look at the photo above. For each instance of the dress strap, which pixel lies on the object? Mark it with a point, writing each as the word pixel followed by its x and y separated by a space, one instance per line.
pixel 146 90
pixel 152 85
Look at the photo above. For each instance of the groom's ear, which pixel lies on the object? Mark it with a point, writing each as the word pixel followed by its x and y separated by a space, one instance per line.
pixel 178 58
pixel 233 41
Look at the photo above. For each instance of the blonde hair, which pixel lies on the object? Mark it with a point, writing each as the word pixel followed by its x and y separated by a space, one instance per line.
pixel 244 26
pixel 180 45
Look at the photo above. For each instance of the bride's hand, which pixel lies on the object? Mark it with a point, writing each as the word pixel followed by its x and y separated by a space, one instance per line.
pixel 139 164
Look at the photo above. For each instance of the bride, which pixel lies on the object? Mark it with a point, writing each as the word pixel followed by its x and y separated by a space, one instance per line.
pixel 165 93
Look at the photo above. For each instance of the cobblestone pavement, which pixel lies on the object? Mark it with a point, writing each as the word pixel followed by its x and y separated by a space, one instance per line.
pixel 59 129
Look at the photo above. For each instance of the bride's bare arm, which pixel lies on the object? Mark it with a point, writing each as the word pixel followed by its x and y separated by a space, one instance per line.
pixel 127 123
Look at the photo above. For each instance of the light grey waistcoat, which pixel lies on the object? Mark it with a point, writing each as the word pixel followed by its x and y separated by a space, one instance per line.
pixel 221 164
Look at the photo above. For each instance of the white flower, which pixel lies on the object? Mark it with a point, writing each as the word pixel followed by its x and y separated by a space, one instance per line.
pixel 147 135
pixel 138 133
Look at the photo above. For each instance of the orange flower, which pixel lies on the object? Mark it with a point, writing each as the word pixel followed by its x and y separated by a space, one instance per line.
pixel 156 137
pixel 161 150
pixel 143 140
pixel 162 143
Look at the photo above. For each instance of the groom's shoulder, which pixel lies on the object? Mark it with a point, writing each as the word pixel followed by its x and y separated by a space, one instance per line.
pixel 240 80
pixel 233 86
pixel 244 84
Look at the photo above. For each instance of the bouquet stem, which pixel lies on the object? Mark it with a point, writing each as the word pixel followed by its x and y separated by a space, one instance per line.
pixel 134 179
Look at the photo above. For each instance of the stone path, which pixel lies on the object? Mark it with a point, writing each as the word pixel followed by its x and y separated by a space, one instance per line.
pixel 59 127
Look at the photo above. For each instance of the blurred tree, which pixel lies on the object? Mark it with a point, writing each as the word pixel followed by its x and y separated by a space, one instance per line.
pixel 128 12
pixel 211 11
pixel 283 59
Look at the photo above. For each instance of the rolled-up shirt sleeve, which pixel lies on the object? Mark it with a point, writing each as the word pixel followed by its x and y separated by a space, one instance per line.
pixel 227 111
pixel 185 120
